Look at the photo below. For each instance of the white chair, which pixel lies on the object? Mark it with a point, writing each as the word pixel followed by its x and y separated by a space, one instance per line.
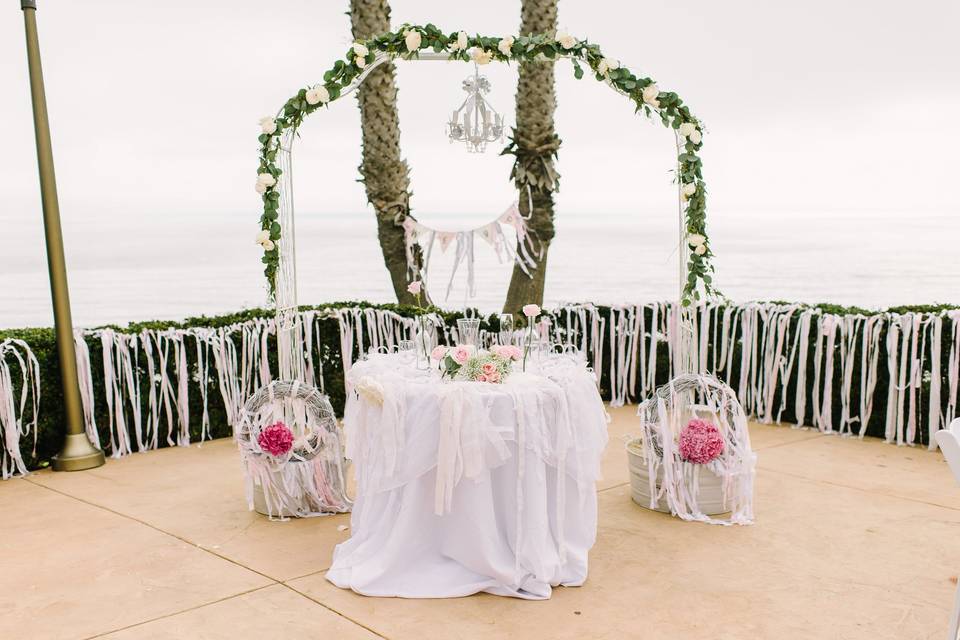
pixel 949 441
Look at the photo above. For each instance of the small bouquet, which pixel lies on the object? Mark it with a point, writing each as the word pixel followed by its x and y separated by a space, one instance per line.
pixel 464 362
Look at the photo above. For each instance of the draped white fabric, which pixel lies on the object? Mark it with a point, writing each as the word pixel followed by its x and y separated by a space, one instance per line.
pixel 465 487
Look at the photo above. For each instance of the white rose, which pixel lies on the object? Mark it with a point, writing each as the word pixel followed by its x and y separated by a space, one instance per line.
pixel 695 239
pixel 360 49
pixel 480 56
pixel 461 42
pixel 566 40
pixel 650 93
pixel 412 39
pixel 689 189
pixel 607 64
pixel 505 45
pixel 696 137
pixel 267 245
pixel 687 128
pixel 260 188
pixel 317 94
pixel 268 125
pixel 263 236
pixel 360 62
pixel 266 179
pixel 700 250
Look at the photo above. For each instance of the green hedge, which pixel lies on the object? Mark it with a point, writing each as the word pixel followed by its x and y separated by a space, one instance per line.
pixel 327 350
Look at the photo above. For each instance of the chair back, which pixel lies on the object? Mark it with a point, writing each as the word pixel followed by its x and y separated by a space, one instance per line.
pixel 949 441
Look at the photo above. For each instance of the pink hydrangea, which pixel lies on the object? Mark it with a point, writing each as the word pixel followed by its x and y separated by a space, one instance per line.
pixel 276 439
pixel 700 442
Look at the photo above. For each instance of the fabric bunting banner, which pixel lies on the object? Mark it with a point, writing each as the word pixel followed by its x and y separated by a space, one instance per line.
pixel 523 251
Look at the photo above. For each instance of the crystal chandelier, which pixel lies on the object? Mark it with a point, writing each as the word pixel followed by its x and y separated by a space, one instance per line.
pixel 475 122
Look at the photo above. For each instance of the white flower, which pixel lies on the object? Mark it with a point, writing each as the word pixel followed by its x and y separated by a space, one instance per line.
pixel 268 125
pixel 687 128
pixel 360 62
pixel 650 93
pixel 263 236
pixel 566 40
pixel 260 188
pixel 267 245
pixel 607 64
pixel 695 239
pixel 317 94
pixel 360 49
pixel 689 189
pixel 480 56
pixel 505 45
pixel 266 179
pixel 696 137
pixel 412 39
pixel 461 42
pixel 700 250
pixel 370 390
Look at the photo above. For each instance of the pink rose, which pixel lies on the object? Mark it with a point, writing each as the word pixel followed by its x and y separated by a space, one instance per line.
pixel 531 310
pixel 438 352
pixel 481 378
pixel 461 354
pixel 414 287
pixel 489 368
pixel 494 377
pixel 514 352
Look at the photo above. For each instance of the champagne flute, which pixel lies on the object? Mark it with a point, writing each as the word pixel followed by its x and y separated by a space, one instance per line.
pixel 506 328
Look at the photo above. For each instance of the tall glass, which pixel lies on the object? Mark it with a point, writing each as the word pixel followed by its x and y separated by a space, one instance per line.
pixel 506 328
pixel 468 331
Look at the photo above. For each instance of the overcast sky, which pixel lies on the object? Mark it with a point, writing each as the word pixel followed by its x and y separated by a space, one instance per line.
pixel 809 107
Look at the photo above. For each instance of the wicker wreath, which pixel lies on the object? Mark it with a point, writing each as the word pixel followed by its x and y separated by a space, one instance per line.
pixel 312 413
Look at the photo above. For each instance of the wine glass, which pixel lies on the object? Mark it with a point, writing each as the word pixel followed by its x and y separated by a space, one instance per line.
pixel 506 328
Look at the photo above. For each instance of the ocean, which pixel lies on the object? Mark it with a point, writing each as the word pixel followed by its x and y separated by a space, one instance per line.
pixel 124 269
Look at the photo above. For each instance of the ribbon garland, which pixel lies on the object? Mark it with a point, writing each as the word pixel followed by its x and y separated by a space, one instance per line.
pixel 526 255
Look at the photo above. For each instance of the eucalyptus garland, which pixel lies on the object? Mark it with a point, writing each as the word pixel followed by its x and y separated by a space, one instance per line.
pixel 408 41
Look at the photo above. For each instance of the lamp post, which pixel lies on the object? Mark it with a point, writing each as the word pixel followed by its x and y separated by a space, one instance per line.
pixel 77 452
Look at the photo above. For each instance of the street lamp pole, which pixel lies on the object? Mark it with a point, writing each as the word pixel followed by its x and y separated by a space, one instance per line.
pixel 77 452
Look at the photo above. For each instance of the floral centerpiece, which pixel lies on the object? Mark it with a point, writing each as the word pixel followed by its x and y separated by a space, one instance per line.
pixel 465 362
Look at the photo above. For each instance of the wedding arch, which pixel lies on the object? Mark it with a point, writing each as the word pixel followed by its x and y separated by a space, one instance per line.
pixel 416 42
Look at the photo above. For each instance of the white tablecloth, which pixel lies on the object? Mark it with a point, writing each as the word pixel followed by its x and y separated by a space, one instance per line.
pixel 445 506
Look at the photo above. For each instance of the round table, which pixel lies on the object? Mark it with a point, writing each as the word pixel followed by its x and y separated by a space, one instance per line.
pixel 465 487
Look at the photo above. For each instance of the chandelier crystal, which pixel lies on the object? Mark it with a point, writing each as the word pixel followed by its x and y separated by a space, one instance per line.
pixel 475 122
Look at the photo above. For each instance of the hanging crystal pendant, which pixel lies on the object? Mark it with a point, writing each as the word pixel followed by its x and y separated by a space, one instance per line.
pixel 475 122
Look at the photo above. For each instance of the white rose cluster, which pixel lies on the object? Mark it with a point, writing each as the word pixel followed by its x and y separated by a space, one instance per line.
pixel 688 189
pixel 370 389
pixel 264 180
pixel 698 243
pixel 263 239
pixel 505 45
pixel 689 131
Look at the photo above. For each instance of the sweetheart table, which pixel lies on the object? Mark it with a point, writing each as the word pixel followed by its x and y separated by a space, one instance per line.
pixel 464 486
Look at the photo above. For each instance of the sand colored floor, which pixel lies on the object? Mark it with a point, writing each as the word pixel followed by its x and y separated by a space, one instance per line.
pixel 853 540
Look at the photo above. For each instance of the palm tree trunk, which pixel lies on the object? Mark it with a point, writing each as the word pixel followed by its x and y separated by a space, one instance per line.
pixel 535 145
pixel 384 173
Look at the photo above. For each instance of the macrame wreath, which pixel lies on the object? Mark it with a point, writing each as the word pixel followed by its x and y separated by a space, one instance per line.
pixel 693 456
pixel 291 451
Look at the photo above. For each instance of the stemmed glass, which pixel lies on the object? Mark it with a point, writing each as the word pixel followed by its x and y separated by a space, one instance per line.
pixel 506 328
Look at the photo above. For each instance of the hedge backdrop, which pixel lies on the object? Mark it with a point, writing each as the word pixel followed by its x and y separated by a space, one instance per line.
pixel 891 374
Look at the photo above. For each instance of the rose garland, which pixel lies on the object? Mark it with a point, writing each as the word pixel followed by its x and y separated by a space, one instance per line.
pixel 409 40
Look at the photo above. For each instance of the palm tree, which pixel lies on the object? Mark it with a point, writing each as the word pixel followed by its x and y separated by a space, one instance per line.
pixel 383 172
pixel 535 144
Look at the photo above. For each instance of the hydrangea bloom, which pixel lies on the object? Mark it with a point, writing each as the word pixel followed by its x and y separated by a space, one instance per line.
pixel 276 439
pixel 700 442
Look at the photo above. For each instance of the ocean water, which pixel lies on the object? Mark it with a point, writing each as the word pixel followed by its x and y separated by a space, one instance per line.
pixel 140 268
